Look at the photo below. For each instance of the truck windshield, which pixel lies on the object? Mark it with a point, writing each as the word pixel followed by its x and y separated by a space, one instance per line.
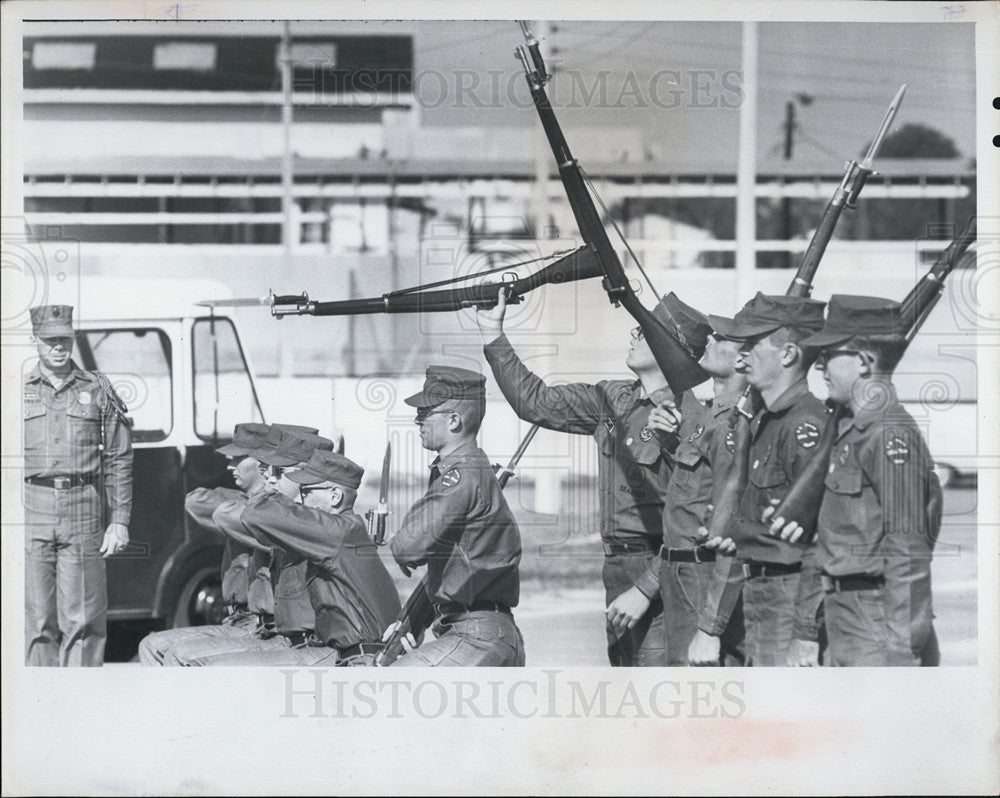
pixel 138 363
pixel 224 394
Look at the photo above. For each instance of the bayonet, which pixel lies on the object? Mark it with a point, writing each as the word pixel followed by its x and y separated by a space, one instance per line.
pixel 377 517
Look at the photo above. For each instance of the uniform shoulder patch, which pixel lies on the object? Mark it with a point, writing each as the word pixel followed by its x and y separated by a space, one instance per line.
pixel 645 433
pixel 730 441
pixel 451 478
pixel 897 449
pixel 696 434
pixel 807 434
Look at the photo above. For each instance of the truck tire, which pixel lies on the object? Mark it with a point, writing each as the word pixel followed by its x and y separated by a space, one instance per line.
pixel 199 602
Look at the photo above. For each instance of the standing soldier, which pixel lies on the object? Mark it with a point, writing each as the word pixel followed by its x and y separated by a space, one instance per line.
pixel 781 593
pixel 351 591
pixel 463 531
pixel 685 572
pixel 632 470
pixel 78 455
pixel 873 521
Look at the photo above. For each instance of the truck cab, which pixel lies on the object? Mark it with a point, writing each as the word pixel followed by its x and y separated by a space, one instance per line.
pixel 181 370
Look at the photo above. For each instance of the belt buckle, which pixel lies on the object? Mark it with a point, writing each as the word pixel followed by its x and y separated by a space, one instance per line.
pixel 830 583
pixel 61 483
pixel 607 549
pixel 746 570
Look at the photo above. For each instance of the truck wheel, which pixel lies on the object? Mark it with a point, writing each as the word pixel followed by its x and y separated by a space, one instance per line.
pixel 200 600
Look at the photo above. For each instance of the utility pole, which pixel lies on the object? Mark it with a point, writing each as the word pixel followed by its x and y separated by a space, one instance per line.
pixel 288 226
pixel 746 170
pixel 786 202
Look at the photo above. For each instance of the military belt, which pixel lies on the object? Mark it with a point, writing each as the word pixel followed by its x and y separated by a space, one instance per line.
pixel 756 570
pixel 613 547
pixel 476 606
pixel 851 583
pixel 359 648
pixel 62 483
pixel 695 554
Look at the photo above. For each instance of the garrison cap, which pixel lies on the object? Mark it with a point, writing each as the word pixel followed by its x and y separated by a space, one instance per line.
pixel 297 428
pixel 689 325
pixel 766 313
pixel 326 466
pixel 849 315
pixel 286 447
pixel 246 438
pixel 446 383
pixel 52 321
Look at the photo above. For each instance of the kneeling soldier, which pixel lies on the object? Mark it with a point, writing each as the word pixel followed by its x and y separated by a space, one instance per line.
pixel 463 531
pixel 351 591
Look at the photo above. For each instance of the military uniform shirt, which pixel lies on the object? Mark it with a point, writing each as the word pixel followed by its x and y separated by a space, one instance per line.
pixel 701 453
pixel 351 591
pixel 874 510
pixel 632 470
pixel 784 439
pixel 465 533
pixel 293 610
pixel 62 435
pixel 199 505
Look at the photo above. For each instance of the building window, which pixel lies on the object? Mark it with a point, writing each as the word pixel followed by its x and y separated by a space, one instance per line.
pixel 188 56
pixel 304 55
pixel 63 55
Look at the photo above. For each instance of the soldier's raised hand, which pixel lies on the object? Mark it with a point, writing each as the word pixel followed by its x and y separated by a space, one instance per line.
pixel 665 419
pixel 490 320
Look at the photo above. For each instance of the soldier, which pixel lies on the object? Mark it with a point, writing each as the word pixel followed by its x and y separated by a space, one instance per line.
pixel 352 593
pixel 293 617
pixel 632 470
pixel 199 505
pixel 463 531
pixel 686 573
pixel 873 522
pixel 781 593
pixel 78 454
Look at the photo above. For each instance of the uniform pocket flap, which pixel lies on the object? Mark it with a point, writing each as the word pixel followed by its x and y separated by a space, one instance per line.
pixel 768 476
pixel 847 481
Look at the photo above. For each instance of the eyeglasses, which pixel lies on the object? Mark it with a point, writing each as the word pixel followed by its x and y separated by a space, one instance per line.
pixel 305 490
pixel 422 417
pixel 824 357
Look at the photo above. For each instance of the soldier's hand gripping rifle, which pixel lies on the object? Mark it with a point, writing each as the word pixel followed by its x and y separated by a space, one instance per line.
pixel 845 196
pixel 417 614
pixel 674 357
pixel 801 503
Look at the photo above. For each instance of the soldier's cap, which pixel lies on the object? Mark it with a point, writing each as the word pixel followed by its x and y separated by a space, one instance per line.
pixel 52 321
pixel 447 383
pixel 297 428
pixel 246 438
pixel 326 466
pixel 689 325
pixel 286 447
pixel 849 315
pixel 766 313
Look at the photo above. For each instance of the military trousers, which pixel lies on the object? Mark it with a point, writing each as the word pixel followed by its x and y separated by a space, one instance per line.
pixel 469 639
pixel 154 647
pixel 202 651
pixel 867 628
pixel 769 610
pixel 643 644
pixel 65 581
pixel 683 589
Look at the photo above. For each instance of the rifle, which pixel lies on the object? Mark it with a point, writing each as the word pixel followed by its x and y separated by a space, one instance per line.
pixel 801 503
pixel 845 196
pixel 417 614
pixel 579 264
pixel 675 358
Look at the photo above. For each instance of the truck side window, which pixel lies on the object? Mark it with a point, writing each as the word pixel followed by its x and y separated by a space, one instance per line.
pixel 224 394
pixel 138 363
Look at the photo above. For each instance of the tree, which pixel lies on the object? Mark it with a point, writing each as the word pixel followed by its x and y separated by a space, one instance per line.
pixel 918 141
